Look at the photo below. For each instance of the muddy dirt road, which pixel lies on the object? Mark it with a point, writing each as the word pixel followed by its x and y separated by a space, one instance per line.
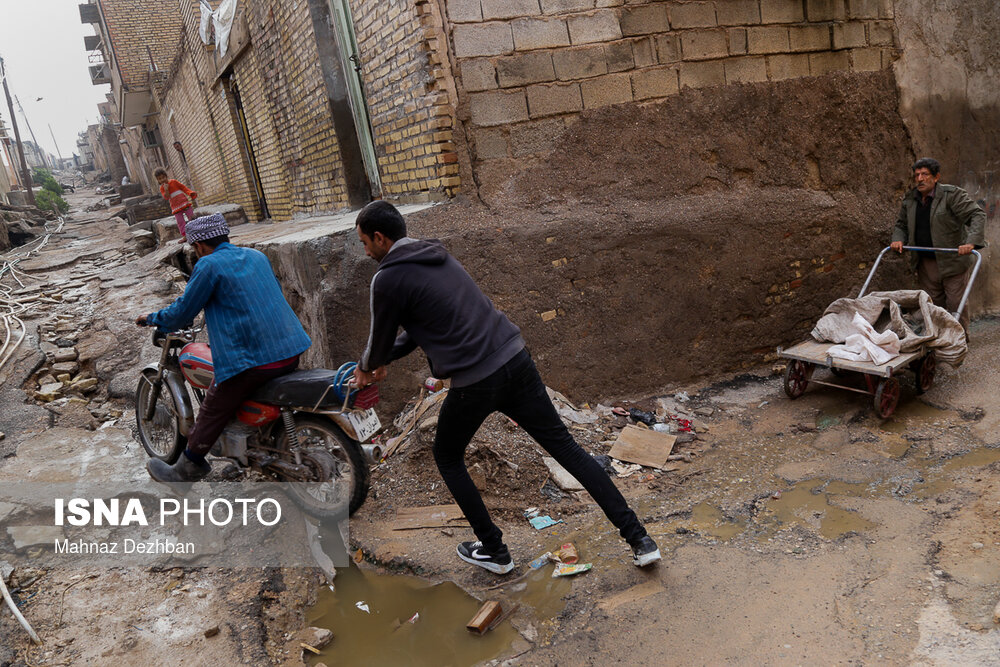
pixel 800 532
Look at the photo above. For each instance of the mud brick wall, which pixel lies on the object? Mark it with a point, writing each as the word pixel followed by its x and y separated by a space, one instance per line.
pixel 411 96
pixel 527 68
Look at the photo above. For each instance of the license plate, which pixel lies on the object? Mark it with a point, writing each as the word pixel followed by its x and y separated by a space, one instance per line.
pixel 365 423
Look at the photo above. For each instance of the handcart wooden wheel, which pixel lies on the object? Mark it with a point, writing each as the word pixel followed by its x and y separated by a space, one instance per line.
pixel 924 371
pixel 886 397
pixel 797 374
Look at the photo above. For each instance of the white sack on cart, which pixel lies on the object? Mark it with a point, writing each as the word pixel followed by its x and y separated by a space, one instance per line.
pixel 867 344
pixel 910 314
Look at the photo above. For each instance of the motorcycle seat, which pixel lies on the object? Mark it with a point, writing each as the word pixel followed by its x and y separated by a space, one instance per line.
pixel 300 389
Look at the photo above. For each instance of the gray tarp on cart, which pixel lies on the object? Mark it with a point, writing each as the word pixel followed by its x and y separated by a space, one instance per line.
pixel 909 313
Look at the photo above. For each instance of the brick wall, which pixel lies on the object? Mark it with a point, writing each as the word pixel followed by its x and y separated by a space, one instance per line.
pixel 411 96
pixel 144 35
pixel 526 68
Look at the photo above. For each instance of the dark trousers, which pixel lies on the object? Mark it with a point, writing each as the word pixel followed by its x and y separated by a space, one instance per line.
pixel 944 292
pixel 222 400
pixel 517 391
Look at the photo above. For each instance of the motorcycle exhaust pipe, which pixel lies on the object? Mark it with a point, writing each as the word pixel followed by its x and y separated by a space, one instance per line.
pixel 373 452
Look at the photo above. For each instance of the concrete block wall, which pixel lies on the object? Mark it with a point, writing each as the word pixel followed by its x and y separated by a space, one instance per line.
pixel 526 68
pixel 411 96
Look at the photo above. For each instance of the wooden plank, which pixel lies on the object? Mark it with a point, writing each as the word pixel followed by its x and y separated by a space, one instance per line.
pixel 643 446
pixel 483 620
pixel 432 516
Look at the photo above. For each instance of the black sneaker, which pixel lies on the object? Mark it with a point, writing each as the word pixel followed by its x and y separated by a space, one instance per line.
pixel 645 552
pixel 473 552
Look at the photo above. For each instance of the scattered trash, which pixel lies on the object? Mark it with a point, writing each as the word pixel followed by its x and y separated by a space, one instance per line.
pixel 307 647
pixel 776 495
pixel 642 416
pixel 541 560
pixel 704 411
pixel 484 618
pixel 621 412
pixel 683 425
pixel 540 522
pixel 431 516
pixel 531 512
pixel 568 411
pixel 568 570
pixel 413 619
pixel 360 604
pixel 625 469
pixel 663 428
pixel 567 554
pixel 763 403
pixel 433 384
pixel 647 448
pixel 359 556
pixel 682 397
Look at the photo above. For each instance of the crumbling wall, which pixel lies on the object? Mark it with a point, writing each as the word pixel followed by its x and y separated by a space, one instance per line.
pixel 950 102
pixel 657 244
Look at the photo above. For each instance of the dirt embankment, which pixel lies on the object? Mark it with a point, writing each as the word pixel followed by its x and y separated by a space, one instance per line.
pixel 663 243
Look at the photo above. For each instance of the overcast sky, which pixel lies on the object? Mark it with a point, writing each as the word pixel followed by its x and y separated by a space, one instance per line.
pixel 41 42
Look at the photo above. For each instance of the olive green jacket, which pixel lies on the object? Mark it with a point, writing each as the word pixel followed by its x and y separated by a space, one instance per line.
pixel 955 220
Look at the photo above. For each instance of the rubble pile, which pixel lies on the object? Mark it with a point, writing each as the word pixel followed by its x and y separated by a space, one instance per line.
pixel 512 471
pixel 21 224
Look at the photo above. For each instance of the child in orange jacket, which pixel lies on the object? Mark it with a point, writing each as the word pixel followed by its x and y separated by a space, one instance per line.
pixel 180 197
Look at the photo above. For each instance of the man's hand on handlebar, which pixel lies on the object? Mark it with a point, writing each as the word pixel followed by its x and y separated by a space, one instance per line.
pixel 141 321
pixel 897 246
pixel 965 249
pixel 365 378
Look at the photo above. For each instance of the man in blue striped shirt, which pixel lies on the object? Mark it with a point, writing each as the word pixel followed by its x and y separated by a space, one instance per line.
pixel 254 334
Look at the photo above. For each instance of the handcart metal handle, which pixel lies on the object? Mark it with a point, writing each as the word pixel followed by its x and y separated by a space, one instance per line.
pixel 968 287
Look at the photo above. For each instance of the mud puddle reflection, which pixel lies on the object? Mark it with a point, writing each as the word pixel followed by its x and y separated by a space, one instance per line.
pixel 384 635
pixel 808 504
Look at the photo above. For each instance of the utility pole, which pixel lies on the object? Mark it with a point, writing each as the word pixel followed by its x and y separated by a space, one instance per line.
pixel 38 146
pixel 17 136
pixel 58 152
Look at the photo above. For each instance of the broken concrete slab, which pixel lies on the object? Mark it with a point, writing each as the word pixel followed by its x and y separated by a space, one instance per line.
pixel 560 476
pixel 26 537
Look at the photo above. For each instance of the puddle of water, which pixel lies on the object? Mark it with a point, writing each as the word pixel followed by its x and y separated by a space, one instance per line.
pixel 808 504
pixel 384 636
pixel 974 459
pixel 706 520
pixel 914 411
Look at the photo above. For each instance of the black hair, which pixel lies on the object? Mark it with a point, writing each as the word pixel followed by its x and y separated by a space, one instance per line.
pixel 216 240
pixel 381 216
pixel 158 171
pixel 928 163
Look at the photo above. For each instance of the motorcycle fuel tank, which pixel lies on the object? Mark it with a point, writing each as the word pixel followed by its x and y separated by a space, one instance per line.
pixel 196 365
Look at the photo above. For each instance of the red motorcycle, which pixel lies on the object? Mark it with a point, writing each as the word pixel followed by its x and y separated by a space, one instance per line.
pixel 305 426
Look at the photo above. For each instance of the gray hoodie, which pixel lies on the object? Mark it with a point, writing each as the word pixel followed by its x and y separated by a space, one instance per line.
pixel 424 290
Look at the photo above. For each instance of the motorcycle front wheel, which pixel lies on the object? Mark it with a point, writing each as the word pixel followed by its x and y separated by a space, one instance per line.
pixel 340 474
pixel 160 436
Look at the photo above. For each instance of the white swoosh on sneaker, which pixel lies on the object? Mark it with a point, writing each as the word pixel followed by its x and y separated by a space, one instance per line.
pixel 476 554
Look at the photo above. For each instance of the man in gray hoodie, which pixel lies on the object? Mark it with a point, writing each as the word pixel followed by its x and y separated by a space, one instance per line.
pixel 422 289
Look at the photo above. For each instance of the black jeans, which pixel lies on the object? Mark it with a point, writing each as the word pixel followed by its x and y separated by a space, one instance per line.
pixel 517 391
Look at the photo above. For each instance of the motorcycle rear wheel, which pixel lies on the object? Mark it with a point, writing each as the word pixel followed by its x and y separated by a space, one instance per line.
pixel 161 436
pixel 345 463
